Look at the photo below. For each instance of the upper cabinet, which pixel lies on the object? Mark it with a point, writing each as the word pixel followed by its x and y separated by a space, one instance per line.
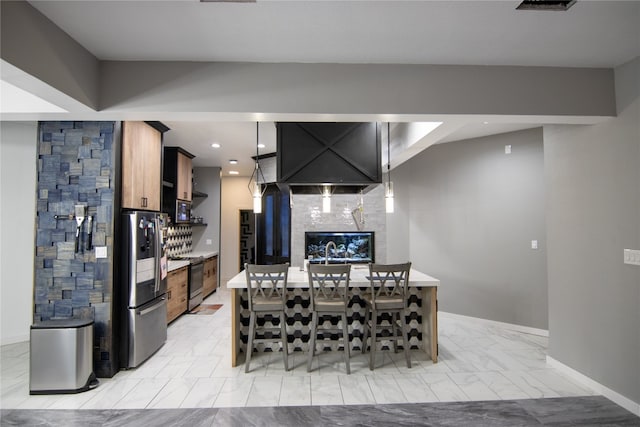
pixel 141 166
pixel 184 184
pixel 176 177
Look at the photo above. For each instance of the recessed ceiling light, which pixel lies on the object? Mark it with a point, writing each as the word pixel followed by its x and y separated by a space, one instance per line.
pixel 233 172
pixel 261 145
pixel 485 123
pixel 215 145
pixel 233 162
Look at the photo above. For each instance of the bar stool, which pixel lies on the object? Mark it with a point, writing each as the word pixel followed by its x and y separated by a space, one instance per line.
pixel 267 289
pixel 329 291
pixel 388 294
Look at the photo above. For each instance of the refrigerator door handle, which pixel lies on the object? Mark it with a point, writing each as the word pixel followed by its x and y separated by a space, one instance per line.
pixel 158 251
pixel 152 308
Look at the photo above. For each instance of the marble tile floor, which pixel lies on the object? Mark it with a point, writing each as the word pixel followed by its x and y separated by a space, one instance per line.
pixel 478 362
pixel 565 411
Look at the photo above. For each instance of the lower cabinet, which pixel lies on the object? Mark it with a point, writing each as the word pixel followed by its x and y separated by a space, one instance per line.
pixel 177 289
pixel 210 275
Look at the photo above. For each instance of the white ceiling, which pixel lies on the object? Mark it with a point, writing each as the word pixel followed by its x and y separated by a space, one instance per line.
pixel 590 34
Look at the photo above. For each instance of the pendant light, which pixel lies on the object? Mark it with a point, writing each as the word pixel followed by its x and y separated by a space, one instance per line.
pixel 326 198
pixel 388 187
pixel 257 178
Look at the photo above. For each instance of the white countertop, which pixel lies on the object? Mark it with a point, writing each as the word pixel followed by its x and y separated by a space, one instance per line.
pixel 203 254
pixel 299 279
pixel 176 264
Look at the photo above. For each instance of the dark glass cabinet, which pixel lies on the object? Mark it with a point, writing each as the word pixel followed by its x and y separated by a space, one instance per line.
pixel 273 227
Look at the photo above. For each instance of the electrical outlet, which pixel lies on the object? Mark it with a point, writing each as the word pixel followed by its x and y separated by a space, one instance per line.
pixel 101 252
pixel 209 242
pixel 632 256
pixel 507 149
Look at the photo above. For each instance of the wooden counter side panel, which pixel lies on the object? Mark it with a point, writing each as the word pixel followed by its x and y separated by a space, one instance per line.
pixel 235 327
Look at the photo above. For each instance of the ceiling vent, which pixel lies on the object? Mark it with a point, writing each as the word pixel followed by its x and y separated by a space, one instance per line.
pixel 545 5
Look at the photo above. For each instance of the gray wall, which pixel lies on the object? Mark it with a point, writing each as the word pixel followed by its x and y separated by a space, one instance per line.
pixel 18 148
pixel 34 44
pixel 593 213
pixel 471 212
pixel 207 180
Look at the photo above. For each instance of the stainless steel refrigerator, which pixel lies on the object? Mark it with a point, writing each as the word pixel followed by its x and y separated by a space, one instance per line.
pixel 144 286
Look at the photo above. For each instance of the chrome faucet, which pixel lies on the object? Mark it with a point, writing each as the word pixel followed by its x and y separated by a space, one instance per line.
pixel 326 251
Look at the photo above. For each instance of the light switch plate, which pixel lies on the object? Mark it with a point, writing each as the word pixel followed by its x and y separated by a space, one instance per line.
pixel 632 256
pixel 101 252
pixel 209 242
pixel 534 244
pixel 507 149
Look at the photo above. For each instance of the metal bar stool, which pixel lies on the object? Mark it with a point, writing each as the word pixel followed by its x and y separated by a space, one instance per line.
pixel 267 289
pixel 329 291
pixel 388 294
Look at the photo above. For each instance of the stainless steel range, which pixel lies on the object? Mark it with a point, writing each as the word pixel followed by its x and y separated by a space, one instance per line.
pixel 196 277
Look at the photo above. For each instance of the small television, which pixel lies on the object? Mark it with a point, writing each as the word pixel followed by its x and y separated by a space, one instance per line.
pixel 354 247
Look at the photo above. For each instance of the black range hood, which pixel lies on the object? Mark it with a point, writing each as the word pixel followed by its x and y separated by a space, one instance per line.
pixel 345 155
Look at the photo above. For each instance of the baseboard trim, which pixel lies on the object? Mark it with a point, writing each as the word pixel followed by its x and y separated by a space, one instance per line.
pixel 14 339
pixel 511 326
pixel 614 396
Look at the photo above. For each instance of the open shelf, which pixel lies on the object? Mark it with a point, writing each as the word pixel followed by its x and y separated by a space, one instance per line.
pixel 196 193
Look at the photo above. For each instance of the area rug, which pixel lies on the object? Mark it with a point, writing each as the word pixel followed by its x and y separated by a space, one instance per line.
pixel 206 309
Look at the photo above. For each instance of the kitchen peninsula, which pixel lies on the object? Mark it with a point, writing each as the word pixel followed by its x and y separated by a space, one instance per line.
pixel 423 311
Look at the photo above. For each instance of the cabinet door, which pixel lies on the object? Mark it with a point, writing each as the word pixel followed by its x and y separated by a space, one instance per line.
pixel 177 293
pixel 211 275
pixel 141 174
pixel 132 173
pixel 151 159
pixel 184 177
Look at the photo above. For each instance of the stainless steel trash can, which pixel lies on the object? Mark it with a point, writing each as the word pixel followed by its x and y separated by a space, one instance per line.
pixel 61 357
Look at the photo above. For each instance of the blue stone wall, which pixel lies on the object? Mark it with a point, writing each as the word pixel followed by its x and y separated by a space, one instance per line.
pixel 76 166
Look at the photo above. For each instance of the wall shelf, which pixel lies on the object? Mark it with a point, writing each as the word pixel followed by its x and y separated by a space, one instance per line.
pixel 196 193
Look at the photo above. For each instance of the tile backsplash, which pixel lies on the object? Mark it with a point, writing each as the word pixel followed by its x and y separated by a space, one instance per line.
pixel 307 215
pixel 179 240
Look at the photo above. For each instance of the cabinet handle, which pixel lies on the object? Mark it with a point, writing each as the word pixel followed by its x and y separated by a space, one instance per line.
pixel 185 194
pixel 184 285
pixel 169 295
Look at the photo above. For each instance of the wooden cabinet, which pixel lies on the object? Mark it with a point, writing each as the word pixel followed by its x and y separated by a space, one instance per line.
pixel 141 166
pixel 176 177
pixel 184 184
pixel 210 282
pixel 177 293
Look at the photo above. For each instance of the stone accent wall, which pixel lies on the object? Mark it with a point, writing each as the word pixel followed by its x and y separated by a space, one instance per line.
pixel 307 215
pixel 76 164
